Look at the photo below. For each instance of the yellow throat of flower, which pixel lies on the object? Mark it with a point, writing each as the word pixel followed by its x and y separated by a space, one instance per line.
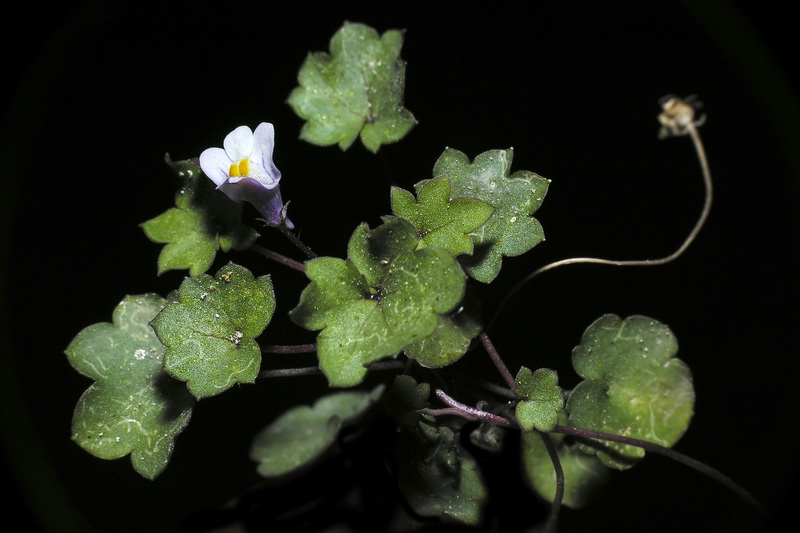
pixel 240 169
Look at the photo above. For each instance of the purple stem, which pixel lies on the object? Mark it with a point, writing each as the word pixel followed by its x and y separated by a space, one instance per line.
pixel 498 362
pixel 552 519
pixel 291 372
pixel 315 370
pixel 296 241
pixel 280 258
pixel 701 467
pixel 470 412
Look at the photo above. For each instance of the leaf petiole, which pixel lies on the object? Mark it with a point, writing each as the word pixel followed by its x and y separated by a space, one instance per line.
pixel 298 348
pixel 458 408
pixel 315 370
pixel 552 518
pixel 701 467
pixel 498 361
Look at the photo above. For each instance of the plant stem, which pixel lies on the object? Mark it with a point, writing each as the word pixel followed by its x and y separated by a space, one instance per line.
pixel 280 258
pixel 315 370
pixel 299 348
pixel 296 241
pixel 701 467
pixel 683 128
pixel 499 390
pixel 467 411
pixel 552 519
pixel 498 361
pixel 290 372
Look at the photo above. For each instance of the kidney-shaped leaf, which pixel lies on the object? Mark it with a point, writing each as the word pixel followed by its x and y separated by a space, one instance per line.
pixel 633 386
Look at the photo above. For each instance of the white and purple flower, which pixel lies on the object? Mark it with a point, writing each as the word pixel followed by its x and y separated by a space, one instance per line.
pixel 244 171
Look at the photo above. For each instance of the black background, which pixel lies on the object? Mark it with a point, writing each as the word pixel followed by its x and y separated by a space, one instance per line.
pixel 100 91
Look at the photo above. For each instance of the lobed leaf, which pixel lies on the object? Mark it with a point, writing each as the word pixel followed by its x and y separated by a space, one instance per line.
pixel 355 89
pixel 510 230
pixel 386 295
pixel 210 330
pixel 449 340
pixel 202 222
pixel 437 475
pixel 303 434
pixel 440 220
pixel 405 399
pixel 633 386
pixel 133 407
pixel 542 399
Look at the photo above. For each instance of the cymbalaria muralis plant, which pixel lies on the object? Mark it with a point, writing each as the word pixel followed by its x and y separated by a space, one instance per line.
pixel 397 304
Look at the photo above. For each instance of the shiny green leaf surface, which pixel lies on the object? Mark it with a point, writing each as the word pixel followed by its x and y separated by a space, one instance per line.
pixel 633 386
pixel 209 331
pixel 133 407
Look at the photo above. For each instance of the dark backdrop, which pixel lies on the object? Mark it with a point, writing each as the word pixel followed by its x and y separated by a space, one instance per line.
pixel 100 91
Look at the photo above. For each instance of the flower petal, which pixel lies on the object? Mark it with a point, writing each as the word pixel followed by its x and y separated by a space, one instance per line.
pixel 261 156
pixel 239 143
pixel 265 136
pixel 260 184
pixel 216 165
pixel 267 200
pixel 233 191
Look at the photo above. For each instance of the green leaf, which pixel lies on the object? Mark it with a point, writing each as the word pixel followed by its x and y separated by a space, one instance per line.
pixel 405 399
pixel 386 295
pixel 133 407
pixel 510 231
pixel 448 342
pixel 583 473
pixel 209 331
pixel 633 386
pixel 542 399
pixel 437 475
pixel 440 220
pixel 356 89
pixel 303 434
pixel 203 221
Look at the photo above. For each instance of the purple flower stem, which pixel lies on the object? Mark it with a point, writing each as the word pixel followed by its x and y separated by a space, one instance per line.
pixel 296 241
pixel 280 258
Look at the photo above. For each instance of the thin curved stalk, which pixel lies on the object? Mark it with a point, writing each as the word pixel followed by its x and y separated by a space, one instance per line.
pixel 552 518
pixel 701 467
pixel 677 120
pixel 498 361
pixel 280 258
pixel 317 371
